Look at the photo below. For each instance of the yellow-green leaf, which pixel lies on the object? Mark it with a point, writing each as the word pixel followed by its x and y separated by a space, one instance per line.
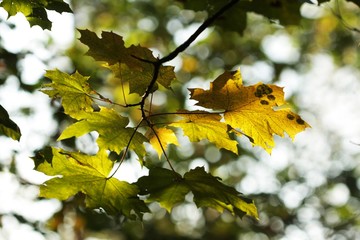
pixel 77 172
pixel 113 133
pixel 74 91
pixel 199 125
pixel 259 111
pixel 161 138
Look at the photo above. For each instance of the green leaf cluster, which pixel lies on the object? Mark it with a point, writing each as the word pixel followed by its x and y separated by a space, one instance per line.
pixel 259 112
pixel 35 11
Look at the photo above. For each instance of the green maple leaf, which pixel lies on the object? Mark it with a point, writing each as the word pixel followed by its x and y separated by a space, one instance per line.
pixel 35 11
pixel 169 189
pixel 73 89
pixel 7 126
pixel 113 133
pixel 198 125
pixel 77 172
pixel 259 111
pixel 130 64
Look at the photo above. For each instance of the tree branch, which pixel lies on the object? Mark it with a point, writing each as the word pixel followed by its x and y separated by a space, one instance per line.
pixel 181 48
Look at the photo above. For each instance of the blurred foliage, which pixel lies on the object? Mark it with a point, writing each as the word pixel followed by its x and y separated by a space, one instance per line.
pixel 159 24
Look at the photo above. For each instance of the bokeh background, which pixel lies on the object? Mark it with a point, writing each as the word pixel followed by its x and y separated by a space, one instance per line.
pixel 306 189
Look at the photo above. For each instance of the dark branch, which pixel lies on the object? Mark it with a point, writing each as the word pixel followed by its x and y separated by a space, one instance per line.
pixel 182 47
pixel 202 27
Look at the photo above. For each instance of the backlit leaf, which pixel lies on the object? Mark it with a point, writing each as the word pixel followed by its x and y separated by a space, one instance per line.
pixel 164 186
pixel 258 111
pixel 73 89
pixel 77 172
pixel 199 125
pixel 210 192
pixel 169 188
pixel 130 64
pixel 161 139
pixel 113 133
pixel 35 11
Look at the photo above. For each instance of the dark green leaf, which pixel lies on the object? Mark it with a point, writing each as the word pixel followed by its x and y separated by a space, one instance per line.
pixel 35 11
pixel 169 189
pixel 7 126
pixel 130 64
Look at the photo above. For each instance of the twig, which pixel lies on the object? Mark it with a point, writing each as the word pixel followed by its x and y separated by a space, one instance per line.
pixel 162 148
pixel 126 149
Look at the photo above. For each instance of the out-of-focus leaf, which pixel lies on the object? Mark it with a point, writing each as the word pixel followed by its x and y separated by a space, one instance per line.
pixel 7 126
pixel 287 12
pixel 35 11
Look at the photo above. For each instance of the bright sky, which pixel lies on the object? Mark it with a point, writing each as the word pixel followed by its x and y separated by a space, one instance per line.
pixel 327 96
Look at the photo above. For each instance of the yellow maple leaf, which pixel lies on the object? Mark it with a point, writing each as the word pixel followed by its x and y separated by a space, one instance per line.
pixel 259 111
pixel 198 125
pixel 161 138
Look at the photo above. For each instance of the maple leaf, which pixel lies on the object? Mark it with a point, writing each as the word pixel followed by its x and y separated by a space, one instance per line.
pixel 113 133
pixel 130 64
pixel 73 89
pixel 258 111
pixel 169 188
pixel 161 138
pixel 198 125
pixel 77 172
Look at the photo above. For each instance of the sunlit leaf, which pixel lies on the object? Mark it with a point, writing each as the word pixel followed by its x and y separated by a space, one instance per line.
pixel 199 125
pixel 7 126
pixel 74 91
pixel 169 188
pixel 77 172
pixel 161 138
pixel 112 128
pixel 259 111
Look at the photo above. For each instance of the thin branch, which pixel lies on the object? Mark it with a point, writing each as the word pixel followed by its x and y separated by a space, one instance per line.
pixel 162 148
pixel 203 26
pixel 183 113
pixel 183 46
pixel 126 149
pixel 157 65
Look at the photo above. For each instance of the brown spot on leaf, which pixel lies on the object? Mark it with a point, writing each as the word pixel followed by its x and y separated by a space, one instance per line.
pixel 300 121
pixel 264 102
pixel 271 97
pixel 258 94
pixel 290 117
